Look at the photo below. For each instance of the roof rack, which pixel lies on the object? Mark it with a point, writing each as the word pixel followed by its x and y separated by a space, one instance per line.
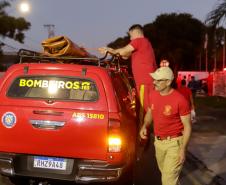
pixel 31 56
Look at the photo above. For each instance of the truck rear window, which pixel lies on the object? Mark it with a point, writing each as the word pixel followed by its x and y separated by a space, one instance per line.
pixel 49 87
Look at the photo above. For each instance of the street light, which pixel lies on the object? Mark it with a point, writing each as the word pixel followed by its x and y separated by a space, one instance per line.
pixel 206 50
pixel 222 43
pixel 223 64
pixel 24 7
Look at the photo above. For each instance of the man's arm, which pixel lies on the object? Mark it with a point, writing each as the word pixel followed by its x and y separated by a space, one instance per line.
pixel 124 52
pixel 186 120
pixel 193 114
pixel 147 123
pixel 192 102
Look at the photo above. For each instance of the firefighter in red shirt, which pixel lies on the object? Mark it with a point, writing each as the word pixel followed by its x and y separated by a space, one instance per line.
pixel 186 92
pixel 170 113
pixel 142 59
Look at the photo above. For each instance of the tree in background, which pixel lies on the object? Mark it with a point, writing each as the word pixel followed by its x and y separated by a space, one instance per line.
pixel 119 42
pixel 214 19
pixel 176 37
pixel 217 14
pixel 10 26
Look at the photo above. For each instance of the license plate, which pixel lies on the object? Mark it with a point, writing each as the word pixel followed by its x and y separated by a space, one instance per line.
pixel 50 163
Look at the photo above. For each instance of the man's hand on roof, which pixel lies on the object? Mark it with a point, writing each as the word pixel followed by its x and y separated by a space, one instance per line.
pixel 104 50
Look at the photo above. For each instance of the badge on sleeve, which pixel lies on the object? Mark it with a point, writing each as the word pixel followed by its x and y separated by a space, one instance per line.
pixel 9 119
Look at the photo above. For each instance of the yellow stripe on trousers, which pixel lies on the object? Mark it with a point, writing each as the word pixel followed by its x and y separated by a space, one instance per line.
pixel 141 112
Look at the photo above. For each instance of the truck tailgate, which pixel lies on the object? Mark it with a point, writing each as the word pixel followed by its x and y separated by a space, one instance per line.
pixel 54 132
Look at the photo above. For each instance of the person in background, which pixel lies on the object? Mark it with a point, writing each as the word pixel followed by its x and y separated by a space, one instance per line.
pixel 142 58
pixel 186 92
pixel 170 113
pixel 185 78
pixel 164 63
pixel 210 84
pixel 193 85
pixel 179 78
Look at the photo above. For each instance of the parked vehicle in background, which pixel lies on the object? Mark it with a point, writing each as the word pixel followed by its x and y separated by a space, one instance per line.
pixel 72 120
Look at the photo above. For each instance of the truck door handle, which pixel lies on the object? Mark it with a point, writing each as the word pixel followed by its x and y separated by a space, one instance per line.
pixel 48 112
pixel 47 124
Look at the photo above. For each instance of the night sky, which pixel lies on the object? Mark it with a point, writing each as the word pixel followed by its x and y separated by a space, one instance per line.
pixel 95 23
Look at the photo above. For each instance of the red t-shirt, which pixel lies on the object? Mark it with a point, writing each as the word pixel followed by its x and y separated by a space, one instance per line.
pixel 210 85
pixel 186 92
pixel 143 60
pixel 166 112
pixel 179 82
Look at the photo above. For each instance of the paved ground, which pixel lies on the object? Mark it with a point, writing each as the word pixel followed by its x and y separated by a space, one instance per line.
pixel 206 159
pixel 208 148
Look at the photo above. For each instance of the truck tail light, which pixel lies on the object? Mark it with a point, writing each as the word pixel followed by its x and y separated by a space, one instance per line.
pixel 114 136
pixel 114 144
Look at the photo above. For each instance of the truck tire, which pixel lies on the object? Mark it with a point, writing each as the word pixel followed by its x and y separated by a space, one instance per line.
pixel 127 178
pixel 19 181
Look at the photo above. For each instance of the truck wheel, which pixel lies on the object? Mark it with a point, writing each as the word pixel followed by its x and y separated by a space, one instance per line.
pixel 127 181
pixel 20 181
pixel 127 178
pixel 123 182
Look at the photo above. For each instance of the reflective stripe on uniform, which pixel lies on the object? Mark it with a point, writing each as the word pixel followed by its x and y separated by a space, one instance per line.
pixel 141 112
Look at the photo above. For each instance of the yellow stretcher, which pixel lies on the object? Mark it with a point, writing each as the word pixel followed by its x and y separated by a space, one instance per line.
pixel 62 46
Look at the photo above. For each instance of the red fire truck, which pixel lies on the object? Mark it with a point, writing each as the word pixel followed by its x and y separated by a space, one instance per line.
pixel 64 118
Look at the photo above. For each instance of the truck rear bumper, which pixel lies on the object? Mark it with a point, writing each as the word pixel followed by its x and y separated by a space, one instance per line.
pixel 97 171
pixel 80 171
pixel 6 165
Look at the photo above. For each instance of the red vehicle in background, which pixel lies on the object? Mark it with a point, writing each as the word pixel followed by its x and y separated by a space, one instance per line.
pixel 66 120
